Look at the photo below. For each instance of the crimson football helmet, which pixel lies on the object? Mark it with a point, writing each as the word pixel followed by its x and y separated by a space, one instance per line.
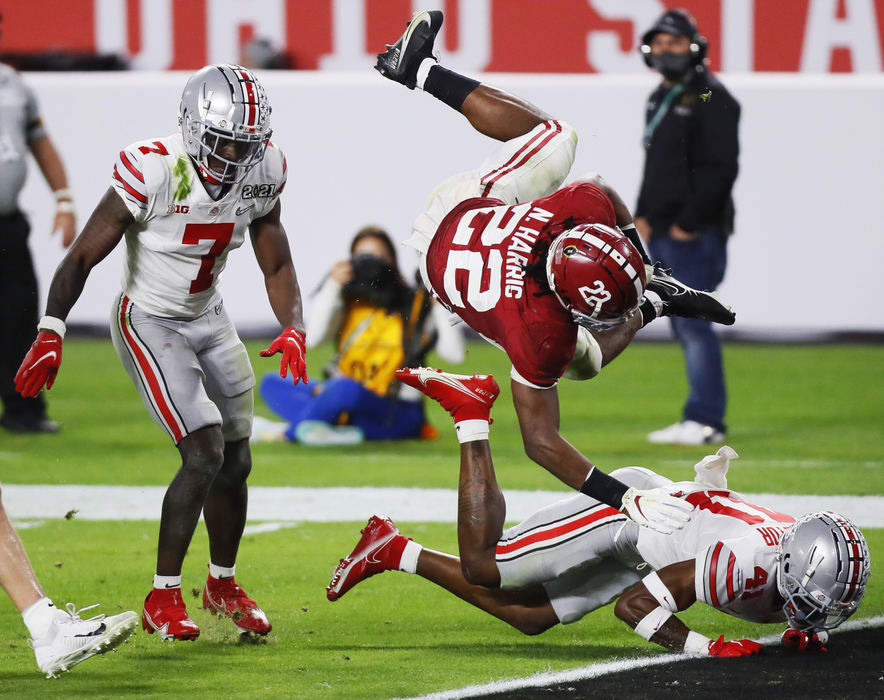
pixel 597 274
pixel 221 104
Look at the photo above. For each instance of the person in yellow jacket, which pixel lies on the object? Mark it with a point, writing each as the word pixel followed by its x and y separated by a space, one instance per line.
pixel 378 323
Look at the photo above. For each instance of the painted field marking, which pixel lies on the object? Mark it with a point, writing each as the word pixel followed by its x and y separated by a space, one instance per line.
pixel 550 678
pixel 345 504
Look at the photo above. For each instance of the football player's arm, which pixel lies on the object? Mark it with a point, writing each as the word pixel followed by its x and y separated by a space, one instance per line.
pixel 275 260
pixel 648 608
pixel 638 603
pixel 100 236
pixel 538 412
pixel 271 247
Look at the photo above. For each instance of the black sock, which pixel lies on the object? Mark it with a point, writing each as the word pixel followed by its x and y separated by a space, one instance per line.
pixel 450 87
pixel 648 312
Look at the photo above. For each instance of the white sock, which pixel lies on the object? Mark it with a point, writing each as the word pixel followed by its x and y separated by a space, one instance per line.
pixel 408 562
pixel 471 430
pixel 216 571
pixel 423 70
pixel 166 581
pixel 38 617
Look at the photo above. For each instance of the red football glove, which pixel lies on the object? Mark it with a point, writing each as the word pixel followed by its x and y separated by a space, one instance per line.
pixel 292 344
pixel 40 365
pixel 738 647
pixel 802 641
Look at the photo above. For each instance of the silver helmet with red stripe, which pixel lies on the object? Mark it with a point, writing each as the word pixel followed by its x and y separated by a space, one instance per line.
pixel 823 570
pixel 225 122
pixel 597 274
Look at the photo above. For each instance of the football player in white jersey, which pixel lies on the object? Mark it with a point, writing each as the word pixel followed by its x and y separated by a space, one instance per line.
pixel 579 554
pixel 182 203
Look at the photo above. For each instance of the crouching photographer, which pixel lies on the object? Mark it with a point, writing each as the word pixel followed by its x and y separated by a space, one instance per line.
pixel 378 323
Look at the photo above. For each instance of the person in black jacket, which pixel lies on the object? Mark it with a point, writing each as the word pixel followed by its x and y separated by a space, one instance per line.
pixel 685 212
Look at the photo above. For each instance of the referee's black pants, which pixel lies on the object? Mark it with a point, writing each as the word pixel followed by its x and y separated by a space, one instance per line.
pixel 18 317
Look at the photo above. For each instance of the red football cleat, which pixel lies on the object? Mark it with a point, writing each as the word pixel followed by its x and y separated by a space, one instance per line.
pixel 164 612
pixel 464 397
pixel 379 549
pixel 222 596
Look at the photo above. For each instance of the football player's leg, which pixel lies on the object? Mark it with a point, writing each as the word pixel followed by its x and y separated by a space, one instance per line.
pixel 481 511
pixel 202 454
pixel 226 503
pixel 17 577
pixel 225 513
pixel 529 610
pixel 410 61
pixel 383 548
pixel 481 508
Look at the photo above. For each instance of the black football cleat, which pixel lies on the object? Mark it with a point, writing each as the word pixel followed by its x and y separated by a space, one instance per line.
pixel 680 300
pixel 401 60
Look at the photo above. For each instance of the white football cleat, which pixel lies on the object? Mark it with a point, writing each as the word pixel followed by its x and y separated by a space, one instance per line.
pixel 71 639
pixel 688 432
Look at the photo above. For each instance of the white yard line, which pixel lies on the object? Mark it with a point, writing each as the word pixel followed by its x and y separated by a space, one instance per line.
pixel 550 678
pixel 290 505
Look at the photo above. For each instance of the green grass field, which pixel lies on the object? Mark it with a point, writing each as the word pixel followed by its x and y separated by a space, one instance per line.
pixel 805 419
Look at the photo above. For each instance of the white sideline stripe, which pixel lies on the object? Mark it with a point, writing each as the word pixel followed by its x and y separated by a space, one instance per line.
pixel 594 671
pixel 258 528
pixel 791 463
pixel 344 504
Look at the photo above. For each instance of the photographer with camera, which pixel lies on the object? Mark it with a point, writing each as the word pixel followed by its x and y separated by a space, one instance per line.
pixel 378 323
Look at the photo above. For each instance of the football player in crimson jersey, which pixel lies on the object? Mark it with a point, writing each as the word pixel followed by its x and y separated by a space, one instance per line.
pixel 182 203
pixel 579 554
pixel 540 272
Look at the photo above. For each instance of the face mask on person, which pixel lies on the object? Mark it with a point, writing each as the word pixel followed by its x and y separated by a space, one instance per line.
pixel 672 66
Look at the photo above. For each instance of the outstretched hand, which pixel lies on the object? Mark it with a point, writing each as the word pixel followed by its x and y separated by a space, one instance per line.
pixel 656 509
pixel 40 365
pixel 292 344
pixel 802 641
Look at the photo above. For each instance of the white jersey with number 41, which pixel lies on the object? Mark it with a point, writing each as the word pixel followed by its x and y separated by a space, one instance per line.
pixel 177 247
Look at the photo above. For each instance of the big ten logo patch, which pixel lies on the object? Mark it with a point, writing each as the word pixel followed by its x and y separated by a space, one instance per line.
pixel 265 189
pixel 178 209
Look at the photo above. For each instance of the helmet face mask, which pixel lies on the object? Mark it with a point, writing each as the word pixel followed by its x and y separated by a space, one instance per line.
pixel 824 567
pixel 597 274
pixel 225 122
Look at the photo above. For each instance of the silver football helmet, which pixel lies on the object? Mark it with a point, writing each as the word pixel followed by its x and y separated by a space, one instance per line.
pixel 225 121
pixel 824 566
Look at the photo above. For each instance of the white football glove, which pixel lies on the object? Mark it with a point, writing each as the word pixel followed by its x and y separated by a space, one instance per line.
pixel 656 509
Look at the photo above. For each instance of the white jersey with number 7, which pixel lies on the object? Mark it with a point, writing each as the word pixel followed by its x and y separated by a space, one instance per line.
pixel 177 247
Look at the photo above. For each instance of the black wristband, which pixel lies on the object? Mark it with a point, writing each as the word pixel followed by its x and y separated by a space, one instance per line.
pixel 450 87
pixel 604 488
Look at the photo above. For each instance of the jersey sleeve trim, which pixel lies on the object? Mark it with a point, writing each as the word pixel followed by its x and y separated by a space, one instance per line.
pixel 516 377
pixel 129 177
pixel 717 581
